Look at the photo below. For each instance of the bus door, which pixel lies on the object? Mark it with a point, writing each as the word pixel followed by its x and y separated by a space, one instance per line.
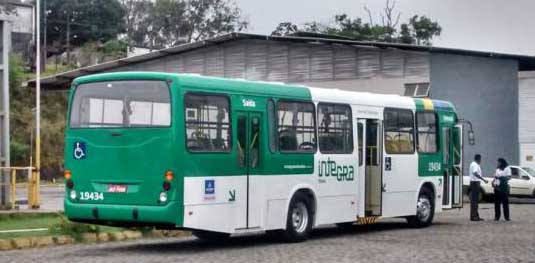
pixel 457 175
pixel 452 163
pixel 370 149
pixel 249 158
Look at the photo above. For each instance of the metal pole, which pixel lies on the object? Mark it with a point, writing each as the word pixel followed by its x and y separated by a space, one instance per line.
pixel 44 35
pixel 37 107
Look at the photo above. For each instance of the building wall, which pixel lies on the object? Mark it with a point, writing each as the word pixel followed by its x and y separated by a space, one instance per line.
pixel 329 66
pixel 484 91
pixel 526 117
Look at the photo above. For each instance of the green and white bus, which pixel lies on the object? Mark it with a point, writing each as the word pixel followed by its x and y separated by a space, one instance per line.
pixel 221 156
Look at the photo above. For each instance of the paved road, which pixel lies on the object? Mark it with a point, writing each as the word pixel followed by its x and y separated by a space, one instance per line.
pixel 451 239
pixel 51 197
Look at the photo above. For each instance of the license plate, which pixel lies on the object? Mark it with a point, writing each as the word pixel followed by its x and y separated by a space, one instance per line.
pixel 117 188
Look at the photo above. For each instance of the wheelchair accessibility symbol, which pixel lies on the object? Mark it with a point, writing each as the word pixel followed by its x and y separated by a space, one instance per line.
pixel 79 150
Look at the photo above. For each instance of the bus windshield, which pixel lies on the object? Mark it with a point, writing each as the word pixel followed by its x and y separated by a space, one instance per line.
pixel 132 103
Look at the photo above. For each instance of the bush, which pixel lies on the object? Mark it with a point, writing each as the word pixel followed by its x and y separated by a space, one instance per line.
pixel 75 230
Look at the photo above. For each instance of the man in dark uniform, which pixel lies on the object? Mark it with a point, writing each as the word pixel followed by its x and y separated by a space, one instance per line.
pixel 475 184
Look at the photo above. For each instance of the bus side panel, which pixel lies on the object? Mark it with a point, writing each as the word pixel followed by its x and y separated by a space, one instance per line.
pixel 337 190
pixel 216 203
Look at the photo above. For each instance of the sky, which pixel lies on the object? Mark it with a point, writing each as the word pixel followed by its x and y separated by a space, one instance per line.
pixel 505 26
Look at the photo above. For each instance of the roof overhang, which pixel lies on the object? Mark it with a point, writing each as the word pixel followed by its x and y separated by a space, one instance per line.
pixel 63 80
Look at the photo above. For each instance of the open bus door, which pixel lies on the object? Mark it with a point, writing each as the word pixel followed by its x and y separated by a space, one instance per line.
pixel 457 173
pixel 452 162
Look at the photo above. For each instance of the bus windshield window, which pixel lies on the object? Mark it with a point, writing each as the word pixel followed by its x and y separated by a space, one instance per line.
pixel 135 103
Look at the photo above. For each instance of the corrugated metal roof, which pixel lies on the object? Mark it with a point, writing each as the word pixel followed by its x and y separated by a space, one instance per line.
pixel 62 80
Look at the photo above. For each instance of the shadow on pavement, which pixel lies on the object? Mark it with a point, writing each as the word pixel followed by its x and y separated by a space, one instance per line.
pixel 191 245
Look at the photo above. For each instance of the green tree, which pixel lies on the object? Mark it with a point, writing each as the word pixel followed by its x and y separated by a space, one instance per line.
pixel 284 29
pixel 163 23
pixel 21 116
pixel 80 21
pixel 418 30
pixel 424 29
pixel 22 120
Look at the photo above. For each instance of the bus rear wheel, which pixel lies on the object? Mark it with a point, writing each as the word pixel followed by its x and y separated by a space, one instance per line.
pixel 299 219
pixel 425 210
pixel 210 235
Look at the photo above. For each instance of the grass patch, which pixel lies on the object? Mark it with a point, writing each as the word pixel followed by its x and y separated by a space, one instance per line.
pixel 56 223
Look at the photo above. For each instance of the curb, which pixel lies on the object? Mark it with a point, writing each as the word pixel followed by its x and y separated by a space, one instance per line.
pixel 47 241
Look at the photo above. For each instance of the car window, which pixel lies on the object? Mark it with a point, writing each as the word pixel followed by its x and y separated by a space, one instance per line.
pixel 514 172
pixel 523 173
pixel 530 171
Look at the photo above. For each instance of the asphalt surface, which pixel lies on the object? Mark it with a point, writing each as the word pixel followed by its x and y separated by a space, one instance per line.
pixel 452 238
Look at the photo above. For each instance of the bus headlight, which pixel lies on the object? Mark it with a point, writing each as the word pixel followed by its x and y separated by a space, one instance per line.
pixel 163 197
pixel 72 194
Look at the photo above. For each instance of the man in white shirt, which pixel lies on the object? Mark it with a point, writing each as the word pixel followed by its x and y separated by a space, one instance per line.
pixel 475 181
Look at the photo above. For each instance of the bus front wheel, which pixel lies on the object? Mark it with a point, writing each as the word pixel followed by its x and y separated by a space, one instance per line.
pixel 425 210
pixel 299 219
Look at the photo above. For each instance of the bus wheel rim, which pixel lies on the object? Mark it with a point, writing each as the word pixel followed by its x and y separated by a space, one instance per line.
pixel 299 217
pixel 423 208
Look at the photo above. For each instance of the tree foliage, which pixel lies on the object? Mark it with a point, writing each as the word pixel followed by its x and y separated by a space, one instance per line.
pixel 22 120
pixel 418 30
pixel 87 20
pixel 163 23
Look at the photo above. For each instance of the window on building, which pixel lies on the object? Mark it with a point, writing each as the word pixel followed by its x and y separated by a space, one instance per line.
pixel 427 132
pixel 296 127
pixel 335 133
pixel 207 123
pixel 419 90
pixel 399 131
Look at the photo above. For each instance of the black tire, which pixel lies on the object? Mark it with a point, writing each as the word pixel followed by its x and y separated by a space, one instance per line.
pixel 210 235
pixel 425 210
pixel 299 219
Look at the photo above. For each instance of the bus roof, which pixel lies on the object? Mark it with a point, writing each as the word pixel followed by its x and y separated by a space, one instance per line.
pixel 277 89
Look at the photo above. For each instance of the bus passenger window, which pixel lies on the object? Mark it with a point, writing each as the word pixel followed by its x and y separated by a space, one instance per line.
pixel 427 132
pixel 399 131
pixel 335 133
pixel 207 123
pixel 296 127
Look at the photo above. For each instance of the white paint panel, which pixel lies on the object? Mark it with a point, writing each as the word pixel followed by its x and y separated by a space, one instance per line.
pixel 526 104
pixel 527 155
pixel 215 212
pixel 399 204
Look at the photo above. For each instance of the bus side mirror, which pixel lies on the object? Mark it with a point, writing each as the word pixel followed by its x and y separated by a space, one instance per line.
pixel 471 137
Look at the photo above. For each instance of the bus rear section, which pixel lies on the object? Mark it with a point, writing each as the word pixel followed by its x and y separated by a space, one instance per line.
pixel 116 130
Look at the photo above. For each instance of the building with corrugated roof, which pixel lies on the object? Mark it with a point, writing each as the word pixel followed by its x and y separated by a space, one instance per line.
pixel 482 85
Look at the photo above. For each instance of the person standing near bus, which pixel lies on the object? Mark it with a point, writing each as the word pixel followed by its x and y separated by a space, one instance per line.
pixel 475 181
pixel 501 189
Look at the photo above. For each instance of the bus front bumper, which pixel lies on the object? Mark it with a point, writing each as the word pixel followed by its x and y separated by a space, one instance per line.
pixel 125 215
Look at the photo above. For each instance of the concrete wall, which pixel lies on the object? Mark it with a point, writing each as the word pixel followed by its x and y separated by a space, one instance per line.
pixel 484 91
